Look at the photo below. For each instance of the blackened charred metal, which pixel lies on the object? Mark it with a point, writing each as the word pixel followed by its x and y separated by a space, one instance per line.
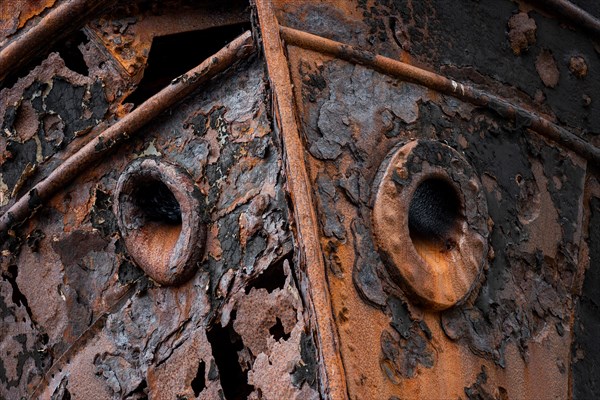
pixel 502 107
pixel 160 215
pixel 238 49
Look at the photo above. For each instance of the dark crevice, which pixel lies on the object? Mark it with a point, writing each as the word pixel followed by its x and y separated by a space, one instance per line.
pixel 157 203
pixel 18 297
pixel 173 55
pixel 278 331
pixel 69 52
pixel 306 371
pixel 140 392
pixel 226 344
pixel 71 55
pixel 67 395
pixel 272 278
pixel 434 211
pixel 199 383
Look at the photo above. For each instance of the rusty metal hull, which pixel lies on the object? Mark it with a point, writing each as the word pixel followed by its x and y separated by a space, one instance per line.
pixel 284 200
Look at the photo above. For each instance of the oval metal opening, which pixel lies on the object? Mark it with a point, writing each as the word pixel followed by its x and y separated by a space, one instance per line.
pixel 430 222
pixel 158 212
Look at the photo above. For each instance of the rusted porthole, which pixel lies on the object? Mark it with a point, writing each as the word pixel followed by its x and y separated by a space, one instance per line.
pixel 159 214
pixel 430 222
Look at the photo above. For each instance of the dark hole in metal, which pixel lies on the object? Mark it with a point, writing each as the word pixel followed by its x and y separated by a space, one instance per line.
pixel 157 203
pixel 199 383
pixel 141 392
pixel 434 213
pixel 226 344
pixel 272 278
pixel 69 52
pixel 18 298
pixel 173 55
pixel 278 331
pixel 72 56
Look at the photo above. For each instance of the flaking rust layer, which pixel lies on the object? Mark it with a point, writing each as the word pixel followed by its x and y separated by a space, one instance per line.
pixel 516 328
pixel 82 319
pixel 293 294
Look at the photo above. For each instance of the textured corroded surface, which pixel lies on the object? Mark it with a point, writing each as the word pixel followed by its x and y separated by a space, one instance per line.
pixel 15 14
pixel 295 294
pixel 128 31
pixel 519 316
pixel 467 42
pixel 81 318
pixel 516 329
pixel 430 222
pixel 160 213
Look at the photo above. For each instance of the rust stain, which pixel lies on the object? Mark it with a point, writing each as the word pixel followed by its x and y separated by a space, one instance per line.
pixel 545 65
pixel 15 14
pixel 444 85
pixel 439 258
pixel 161 219
pixel 578 66
pixel 301 247
pixel 521 32
pixel 60 21
pixel 125 128
pixel 128 34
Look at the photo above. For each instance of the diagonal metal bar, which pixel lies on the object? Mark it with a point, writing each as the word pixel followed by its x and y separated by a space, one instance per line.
pixel 566 10
pixel 60 21
pixel 127 127
pixel 446 86
pixel 333 383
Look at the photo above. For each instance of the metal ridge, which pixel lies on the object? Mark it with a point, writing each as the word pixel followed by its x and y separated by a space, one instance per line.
pixel 333 384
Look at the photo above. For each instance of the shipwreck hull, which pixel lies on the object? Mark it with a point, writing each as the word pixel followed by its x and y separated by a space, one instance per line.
pixel 364 200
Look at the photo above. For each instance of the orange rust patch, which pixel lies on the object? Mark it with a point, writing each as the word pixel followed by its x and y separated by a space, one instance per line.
pixel 15 14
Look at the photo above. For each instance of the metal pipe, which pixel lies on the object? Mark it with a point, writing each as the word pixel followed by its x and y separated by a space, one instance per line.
pixel 565 9
pixel 446 86
pixel 333 382
pixel 60 21
pixel 179 88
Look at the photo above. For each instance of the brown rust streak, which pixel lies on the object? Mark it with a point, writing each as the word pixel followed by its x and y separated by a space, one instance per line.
pixel 59 22
pixel 240 48
pixel 18 12
pixel 443 85
pixel 333 380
